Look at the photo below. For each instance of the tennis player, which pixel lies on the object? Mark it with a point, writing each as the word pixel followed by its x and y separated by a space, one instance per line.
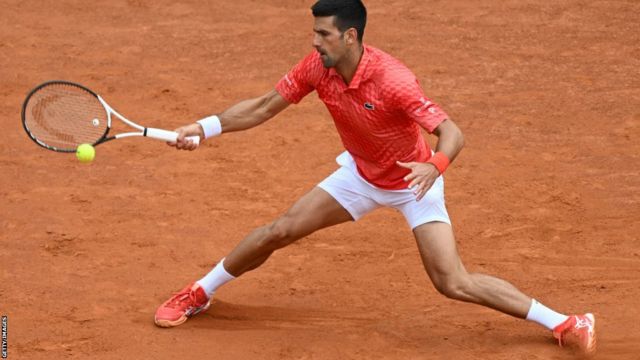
pixel 378 108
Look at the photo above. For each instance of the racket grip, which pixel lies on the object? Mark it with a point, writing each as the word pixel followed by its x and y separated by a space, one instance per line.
pixel 167 135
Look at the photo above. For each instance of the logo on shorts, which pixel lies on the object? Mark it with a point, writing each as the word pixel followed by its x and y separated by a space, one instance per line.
pixel 369 106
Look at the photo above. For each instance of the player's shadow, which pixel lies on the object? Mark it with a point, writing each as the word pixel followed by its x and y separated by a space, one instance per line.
pixel 229 316
pixel 237 317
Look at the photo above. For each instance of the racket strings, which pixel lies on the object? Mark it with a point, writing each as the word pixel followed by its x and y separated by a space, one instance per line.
pixel 63 116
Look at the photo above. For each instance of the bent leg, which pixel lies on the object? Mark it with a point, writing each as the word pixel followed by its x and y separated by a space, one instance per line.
pixel 314 211
pixel 440 257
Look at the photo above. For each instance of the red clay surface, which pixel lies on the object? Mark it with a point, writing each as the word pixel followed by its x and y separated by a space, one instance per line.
pixel 546 193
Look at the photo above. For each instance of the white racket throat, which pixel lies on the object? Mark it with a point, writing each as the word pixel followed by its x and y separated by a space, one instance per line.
pixel 154 133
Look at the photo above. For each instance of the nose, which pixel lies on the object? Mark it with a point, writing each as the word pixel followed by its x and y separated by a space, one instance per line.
pixel 316 41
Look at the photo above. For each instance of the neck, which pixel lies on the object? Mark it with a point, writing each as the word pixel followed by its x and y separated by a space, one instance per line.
pixel 348 66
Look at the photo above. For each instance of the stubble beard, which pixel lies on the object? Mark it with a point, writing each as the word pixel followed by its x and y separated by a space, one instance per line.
pixel 327 62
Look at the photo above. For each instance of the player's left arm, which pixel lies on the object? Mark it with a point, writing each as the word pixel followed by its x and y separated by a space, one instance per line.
pixel 450 139
pixel 423 175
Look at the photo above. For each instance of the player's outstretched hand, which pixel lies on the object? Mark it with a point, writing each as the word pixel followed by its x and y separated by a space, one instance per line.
pixel 421 177
pixel 188 130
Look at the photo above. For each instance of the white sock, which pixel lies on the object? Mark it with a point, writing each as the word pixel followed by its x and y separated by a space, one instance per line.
pixel 545 316
pixel 215 278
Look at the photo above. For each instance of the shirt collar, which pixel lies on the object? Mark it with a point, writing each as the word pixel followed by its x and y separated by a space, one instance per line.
pixel 361 73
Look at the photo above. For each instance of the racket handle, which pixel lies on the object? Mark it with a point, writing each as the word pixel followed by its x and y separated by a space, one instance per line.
pixel 167 135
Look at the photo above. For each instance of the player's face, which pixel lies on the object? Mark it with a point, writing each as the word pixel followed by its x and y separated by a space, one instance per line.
pixel 328 41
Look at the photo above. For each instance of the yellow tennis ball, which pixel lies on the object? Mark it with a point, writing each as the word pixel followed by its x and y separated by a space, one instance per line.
pixel 85 153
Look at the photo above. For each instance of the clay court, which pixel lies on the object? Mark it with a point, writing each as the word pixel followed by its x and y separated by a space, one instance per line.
pixel 546 193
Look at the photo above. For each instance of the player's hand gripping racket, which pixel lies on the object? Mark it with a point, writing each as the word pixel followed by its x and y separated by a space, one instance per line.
pixel 60 115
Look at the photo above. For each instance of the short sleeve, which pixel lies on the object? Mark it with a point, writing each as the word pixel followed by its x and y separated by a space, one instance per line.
pixel 302 79
pixel 409 99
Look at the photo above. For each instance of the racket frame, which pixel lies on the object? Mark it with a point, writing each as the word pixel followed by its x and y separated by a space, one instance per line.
pixel 160 134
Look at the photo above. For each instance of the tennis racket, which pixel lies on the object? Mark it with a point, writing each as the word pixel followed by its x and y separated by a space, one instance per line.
pixel 60 115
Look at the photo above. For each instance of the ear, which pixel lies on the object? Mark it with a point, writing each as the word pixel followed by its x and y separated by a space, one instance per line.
pixel 351 36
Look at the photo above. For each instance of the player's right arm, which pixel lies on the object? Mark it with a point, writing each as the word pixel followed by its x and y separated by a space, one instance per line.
pixel 291 88
pixel 241 116
pixel 253 112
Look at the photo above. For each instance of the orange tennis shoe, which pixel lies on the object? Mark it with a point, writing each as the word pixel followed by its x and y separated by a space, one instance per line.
pixel 188 302
pixel 578 331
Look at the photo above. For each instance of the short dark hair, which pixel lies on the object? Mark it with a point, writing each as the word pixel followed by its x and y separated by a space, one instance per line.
pixel 348 13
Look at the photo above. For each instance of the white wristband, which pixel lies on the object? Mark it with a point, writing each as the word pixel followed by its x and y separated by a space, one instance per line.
pixel 211 126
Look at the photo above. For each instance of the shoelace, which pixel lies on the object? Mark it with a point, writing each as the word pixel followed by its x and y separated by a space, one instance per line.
pixel 181 297
pixel 580 323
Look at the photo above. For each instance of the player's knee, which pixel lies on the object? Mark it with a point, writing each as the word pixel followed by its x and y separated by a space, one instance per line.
pixel 277 235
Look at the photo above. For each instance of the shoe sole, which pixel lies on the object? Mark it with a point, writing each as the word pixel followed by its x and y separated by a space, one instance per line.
pixel 590 347
pixel 181 320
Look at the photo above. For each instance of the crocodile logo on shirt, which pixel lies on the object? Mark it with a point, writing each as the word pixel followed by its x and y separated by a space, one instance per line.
pixel 369 106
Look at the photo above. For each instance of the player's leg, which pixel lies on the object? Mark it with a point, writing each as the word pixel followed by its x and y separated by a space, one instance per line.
pixel 441 260
pixel 431 225
pixel 314 211
pixel 430 222
pixel 443 264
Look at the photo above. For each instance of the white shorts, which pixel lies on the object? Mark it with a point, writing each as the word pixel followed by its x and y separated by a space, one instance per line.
pixel 359 197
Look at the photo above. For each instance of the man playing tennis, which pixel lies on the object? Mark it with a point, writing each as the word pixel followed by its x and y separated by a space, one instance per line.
pixel 378 108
